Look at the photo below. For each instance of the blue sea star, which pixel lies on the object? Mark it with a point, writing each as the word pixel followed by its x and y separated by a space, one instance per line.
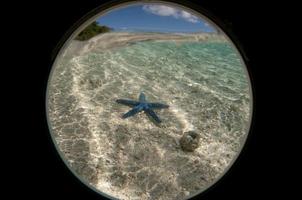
pixel 142 105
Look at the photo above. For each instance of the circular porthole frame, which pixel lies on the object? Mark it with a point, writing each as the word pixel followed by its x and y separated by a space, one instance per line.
pixel 186 5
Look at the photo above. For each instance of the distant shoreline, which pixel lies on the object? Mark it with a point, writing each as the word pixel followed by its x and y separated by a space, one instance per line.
pixel 163 35
pixel 110 40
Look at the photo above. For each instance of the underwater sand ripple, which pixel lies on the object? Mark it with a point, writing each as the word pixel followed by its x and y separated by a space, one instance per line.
pixel 134 158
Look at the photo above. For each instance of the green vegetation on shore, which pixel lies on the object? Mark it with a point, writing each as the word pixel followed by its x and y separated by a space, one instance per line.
pixel 92 30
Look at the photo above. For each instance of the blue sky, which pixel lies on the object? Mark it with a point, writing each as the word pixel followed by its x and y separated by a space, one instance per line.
pixel 154 17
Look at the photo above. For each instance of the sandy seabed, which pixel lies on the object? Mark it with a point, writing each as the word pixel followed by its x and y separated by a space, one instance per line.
pixel 135 158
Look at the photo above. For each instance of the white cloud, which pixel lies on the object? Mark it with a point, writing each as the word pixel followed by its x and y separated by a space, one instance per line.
pixel 189 17
pixel 162 10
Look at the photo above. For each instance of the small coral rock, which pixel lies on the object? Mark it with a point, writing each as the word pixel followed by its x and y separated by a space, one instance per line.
pixel 189 141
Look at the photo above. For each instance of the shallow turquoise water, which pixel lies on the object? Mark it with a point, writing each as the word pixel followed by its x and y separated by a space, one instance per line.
pixel 218 62
pixel 205 85
pixel 215 65
pixel 206 80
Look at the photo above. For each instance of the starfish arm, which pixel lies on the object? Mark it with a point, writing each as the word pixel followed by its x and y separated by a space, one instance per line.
pixel 152 114
pixel 158 105
pixel 127 102
pixel 142 97
pixel 132 112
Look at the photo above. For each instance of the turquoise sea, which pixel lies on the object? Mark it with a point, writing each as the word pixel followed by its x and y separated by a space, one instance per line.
pixel 204 83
